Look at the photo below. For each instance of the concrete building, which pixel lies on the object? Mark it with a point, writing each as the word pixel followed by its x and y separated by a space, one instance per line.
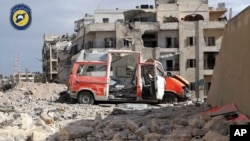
pixel 54 54
pixel 24 77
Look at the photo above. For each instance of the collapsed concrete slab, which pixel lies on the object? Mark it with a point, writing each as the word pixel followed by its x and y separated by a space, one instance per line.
pixel 231 77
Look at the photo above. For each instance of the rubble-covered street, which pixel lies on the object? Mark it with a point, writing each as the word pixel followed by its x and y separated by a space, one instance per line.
pixel 30 111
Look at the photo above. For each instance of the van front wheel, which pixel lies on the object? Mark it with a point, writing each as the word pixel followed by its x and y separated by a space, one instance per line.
pixel 169 98
pixel 85 98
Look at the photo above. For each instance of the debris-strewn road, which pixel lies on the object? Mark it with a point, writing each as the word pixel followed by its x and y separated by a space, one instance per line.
pixel 30 112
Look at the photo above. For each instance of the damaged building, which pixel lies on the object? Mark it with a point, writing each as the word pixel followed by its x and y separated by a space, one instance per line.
pixel 56 57
pixel 185 36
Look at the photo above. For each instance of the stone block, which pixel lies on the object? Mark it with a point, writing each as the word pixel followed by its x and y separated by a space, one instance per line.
pixel 142 131
pixel 213 136
pixel 221 128
pixel 46 118
pixel 214 120
pixel 131 125
pixel 199 132
pixel 38 136
pixel 153 126
pixel 196 123
pixel 152 137
pixel 73 131
pixel 163 115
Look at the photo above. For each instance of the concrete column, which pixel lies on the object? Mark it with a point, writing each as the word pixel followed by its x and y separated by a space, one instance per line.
pixel 50 62
pixel 182 60
pixel 199 60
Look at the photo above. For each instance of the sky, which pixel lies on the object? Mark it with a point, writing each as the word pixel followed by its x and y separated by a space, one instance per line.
pixel 57 17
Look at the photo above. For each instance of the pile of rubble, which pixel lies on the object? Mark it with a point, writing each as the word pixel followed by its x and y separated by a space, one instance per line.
pixel 64 122
pixel 41 119
pixel 32 91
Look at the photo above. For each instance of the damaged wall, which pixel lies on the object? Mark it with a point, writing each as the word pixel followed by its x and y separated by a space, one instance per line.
pixel 231 76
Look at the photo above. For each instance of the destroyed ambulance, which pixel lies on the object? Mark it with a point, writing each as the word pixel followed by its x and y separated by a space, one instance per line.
pixel 122 76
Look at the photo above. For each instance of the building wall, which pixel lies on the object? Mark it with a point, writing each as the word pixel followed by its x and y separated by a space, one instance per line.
pixel 112 15
pixel 164 34
pixel 100 36
pixel 230 82
pixel 182 8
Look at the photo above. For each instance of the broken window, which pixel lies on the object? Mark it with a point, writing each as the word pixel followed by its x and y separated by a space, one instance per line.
pixel 191 63
pixel 171 1
pixel 90 44
pixel 192 86
pixel 207 87
pixel 105 20
pixel 210 41
pixel 127 42
pixel 109 42
pixel 210 62
pixel 54 53
pixel 92 70
pixel 172 42
pixel 169 64
pixel 150 40
pixel 168 42
pixel 191 41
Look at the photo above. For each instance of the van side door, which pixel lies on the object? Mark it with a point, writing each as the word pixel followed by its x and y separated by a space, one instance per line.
pixel 159 81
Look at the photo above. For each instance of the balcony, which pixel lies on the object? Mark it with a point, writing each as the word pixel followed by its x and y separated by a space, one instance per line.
pixel 215 48
pixel 167 50
pixel 215 25
pixel 169 26
pixel 100 27
pixel 147 26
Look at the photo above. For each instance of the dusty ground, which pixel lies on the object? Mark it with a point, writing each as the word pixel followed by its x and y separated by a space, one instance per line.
pixel 31 112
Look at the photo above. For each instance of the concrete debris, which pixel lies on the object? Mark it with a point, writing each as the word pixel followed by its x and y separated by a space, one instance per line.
pixel 40 118
pixel 133 106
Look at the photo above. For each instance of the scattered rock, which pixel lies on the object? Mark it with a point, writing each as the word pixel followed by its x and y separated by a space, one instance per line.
pixel 213 136
pixel 26 121
pixel 199 132
pixel 35 117
pixel 131 125
pixel 74 131
pixel 196 123
pixel 118 111
pixel 163 115
pixel 214 121
pixel 152 137
pixel 38 136
pixel 142 131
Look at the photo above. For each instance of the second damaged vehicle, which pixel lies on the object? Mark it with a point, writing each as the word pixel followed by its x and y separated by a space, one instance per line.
pixel 119 76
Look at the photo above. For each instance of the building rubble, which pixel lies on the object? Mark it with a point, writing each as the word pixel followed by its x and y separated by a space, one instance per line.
pixel 33 113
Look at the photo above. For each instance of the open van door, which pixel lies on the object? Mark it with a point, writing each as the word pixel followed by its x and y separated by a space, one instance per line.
pixel 159 80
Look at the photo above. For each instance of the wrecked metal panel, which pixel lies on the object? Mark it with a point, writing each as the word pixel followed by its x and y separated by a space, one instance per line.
pixel 230 108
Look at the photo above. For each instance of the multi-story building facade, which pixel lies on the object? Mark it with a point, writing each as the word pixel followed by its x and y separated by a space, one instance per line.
pixel 54 51
pixel 185 36
pixel 24 77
